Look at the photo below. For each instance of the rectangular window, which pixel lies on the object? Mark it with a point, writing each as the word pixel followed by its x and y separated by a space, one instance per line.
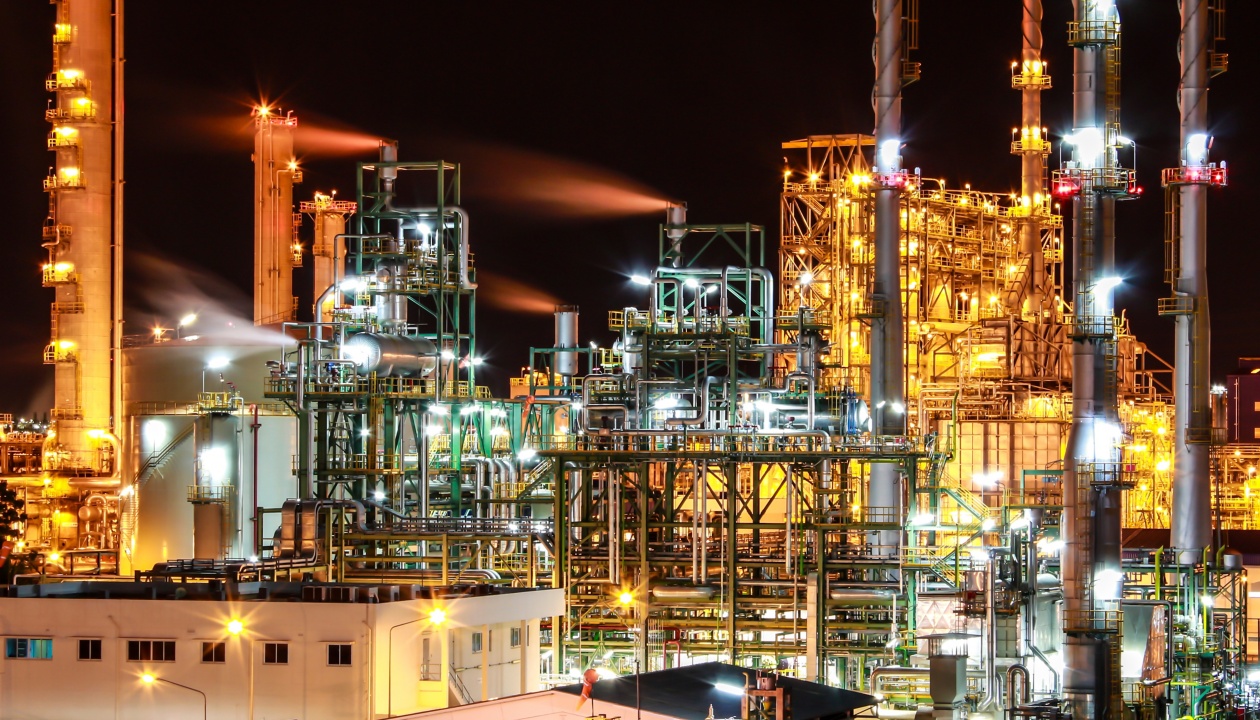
pixel 339 654
pixel 476 642
pixel 151 651
pixel 276 653
pixel 213 652
pixel 89 649
pixel 28 648
pixel 516 637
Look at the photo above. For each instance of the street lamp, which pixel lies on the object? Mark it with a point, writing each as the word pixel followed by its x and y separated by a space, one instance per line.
pixel 184 322
pixel 150 678
pixel 217 363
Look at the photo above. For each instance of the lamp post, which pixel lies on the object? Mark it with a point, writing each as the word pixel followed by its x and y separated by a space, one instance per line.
pixel 212 364
pixel 150 678
pixel 437 616
pixel 184 322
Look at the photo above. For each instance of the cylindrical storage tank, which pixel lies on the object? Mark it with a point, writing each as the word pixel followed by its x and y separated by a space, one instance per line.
pixel 208 527
pixel 216 495
pixel 391 355
pixel 161 383
pixel 566 363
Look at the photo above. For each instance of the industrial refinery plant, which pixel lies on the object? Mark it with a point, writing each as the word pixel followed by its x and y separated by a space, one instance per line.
pixel 903 443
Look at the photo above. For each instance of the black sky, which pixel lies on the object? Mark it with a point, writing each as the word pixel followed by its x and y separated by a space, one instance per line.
pixel 691 99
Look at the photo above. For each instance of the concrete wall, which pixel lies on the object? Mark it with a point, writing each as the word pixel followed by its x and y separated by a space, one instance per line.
pixel 244 686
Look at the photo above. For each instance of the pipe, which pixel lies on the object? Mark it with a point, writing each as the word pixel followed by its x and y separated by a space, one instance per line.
pixel 254 519
pixel 1025 689
pixel 306 430
pixel 117 329
pixel 787 518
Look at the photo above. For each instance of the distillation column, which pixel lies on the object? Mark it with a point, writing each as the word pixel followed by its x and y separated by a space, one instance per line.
pixel 1191 518
pixel 275 172
pixel 1091 523
pixel 327 250
pixel 888 404
pixel 1030 78
pixel 79 237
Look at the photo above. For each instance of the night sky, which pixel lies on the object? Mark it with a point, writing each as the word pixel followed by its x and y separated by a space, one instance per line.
pixel 688 100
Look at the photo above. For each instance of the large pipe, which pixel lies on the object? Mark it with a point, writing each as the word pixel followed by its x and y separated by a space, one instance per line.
pixel 887 359
pixel 1191 520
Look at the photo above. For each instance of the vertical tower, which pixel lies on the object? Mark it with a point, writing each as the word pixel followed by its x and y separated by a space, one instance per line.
pixel 330 221
pixel 79 237
pixel 275 172
pixel 1185 198
pixel 1029 77
pixel 1093 474
pixel 888 367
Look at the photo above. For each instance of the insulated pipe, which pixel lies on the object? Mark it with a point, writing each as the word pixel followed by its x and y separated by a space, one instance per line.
pixel 306 422
pixel 464 282
pixel 1025 689
pixel 1191 506
pixel 787 519
pixel 887 352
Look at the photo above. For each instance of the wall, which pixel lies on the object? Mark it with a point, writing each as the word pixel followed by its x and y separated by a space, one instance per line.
pixel 386 641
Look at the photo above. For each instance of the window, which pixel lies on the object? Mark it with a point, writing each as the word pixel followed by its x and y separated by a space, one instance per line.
pixel 151 650
pixel 476 642
pixel 89 649
pixel 28 648
pixel 213 652
pixel 339 654
pixel 276 654
pixel 516 637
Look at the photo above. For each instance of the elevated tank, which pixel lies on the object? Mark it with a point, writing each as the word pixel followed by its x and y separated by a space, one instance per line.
pixel 391 355
pixel 566 363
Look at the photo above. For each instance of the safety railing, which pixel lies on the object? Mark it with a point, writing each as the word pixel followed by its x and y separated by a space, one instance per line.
pixel 209 494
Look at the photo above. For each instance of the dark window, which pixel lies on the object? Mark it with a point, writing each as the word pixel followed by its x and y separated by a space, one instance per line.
pixel 276 654
pixel 476 642
pixel 28 648
pixel 339 654
pixel 151 651
pixel 213 652
pixel 516 637
pixel 89 649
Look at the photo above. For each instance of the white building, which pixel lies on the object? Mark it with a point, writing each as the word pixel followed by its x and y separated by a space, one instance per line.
pixel 263 650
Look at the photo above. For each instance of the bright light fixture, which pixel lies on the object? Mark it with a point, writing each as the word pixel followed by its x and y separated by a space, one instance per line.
pixel 923 519
pixel 1107 284
pixel 217 363
pixel 188 319
pixel 437 616
pixel 235 626
pixel 625 598
pixel 729 689
pixel 147 678
pixel 640 279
